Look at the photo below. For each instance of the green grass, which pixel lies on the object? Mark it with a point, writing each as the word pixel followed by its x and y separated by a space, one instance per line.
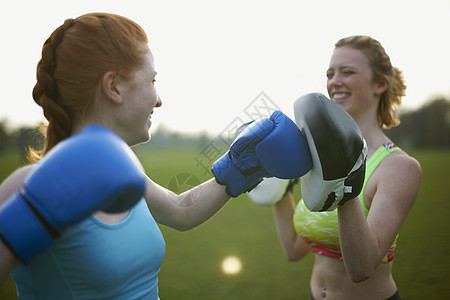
pixel 192 267
pixel 422 260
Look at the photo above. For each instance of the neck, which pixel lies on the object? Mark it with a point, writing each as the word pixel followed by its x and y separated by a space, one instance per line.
pixel 89 117
pixel 372 132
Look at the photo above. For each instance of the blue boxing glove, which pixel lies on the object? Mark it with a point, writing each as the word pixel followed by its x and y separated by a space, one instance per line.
pixel 267 147
pixel 93 170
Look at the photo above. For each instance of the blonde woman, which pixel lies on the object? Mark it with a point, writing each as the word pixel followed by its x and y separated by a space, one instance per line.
pixel 354 245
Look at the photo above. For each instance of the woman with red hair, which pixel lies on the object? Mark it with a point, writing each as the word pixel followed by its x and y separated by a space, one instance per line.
pixel 98 69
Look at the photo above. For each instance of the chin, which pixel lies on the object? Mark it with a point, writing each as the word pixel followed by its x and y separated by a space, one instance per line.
pixel 142 139
pixel 147 136
pixel 343 104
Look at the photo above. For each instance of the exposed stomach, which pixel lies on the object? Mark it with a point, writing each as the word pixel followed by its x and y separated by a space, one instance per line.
pixel 329 280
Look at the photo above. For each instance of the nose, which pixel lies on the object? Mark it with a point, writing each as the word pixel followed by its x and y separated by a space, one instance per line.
pixel 334 80
pixel 159 102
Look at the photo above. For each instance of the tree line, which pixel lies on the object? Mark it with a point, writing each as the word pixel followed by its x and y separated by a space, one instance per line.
pixel 425 127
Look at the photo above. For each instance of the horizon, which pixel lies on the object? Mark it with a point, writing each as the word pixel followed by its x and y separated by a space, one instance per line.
pixel 215 59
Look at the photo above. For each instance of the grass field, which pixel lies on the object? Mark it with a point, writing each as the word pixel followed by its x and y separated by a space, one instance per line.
pixel 192 267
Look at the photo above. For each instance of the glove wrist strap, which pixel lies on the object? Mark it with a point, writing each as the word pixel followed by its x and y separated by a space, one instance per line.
pixel 228 174
pixel 22 230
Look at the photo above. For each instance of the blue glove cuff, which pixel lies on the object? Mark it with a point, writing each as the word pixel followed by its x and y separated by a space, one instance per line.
pixel 22 230
pixel 228 174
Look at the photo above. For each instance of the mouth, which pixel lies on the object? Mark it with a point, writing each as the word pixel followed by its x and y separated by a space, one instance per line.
pixel 149 119
pixel 339 96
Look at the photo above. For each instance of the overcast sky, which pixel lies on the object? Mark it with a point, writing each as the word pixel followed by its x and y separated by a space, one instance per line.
pixel 216 59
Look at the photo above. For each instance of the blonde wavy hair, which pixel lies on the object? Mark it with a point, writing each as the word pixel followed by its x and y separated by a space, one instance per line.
pixel 382 69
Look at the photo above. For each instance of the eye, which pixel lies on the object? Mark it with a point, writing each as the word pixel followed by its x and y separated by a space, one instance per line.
pixel 348 72
pixel 330 74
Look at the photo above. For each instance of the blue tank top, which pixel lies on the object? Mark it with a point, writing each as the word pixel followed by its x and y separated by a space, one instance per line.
pixel 95 260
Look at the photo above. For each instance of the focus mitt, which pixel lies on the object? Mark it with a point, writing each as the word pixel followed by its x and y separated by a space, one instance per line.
pixel 338 151
pixel 270 191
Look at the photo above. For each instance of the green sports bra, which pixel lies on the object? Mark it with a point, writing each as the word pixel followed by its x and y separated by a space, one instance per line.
pixel 320 229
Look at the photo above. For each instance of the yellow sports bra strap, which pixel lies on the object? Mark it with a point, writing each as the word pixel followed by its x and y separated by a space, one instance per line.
pixel 372 164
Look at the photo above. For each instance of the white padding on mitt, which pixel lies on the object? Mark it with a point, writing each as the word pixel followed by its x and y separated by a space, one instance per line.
pixel 269 191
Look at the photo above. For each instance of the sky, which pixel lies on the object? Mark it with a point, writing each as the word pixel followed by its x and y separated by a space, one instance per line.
pixel 218 60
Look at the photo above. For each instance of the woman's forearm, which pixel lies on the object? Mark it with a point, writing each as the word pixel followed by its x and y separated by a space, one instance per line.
pixel 201 203
pixel 359 246
pixel 293 245
pixel 189 209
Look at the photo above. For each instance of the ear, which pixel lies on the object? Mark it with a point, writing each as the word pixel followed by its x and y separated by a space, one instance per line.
pixel 109 83
pixel 381 86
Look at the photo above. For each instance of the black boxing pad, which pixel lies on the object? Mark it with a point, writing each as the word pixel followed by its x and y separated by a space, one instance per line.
pixel 338 152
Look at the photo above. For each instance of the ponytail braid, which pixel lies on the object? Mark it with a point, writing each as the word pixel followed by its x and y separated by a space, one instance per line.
pixel 45 92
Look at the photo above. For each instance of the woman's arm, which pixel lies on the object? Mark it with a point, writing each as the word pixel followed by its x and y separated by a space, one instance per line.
pixel 7 261
pixel 11 185
pixel 294 246
pixel 189 209
pixel 239 169
pixel 364 242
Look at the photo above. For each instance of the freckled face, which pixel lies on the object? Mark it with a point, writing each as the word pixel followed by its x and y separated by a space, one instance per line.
pixel 140 98
pixel 349 80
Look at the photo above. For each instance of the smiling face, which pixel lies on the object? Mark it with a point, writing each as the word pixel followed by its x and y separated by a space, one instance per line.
pixel 349 81
pixel 139 97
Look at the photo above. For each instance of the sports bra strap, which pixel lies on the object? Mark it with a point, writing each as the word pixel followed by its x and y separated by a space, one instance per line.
pixel 372 163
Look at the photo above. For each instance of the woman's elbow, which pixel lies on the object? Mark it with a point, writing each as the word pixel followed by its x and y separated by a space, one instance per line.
pixel 294 255
pixel 182 225
pixel 179 221
pixel 357 278
pixel 359 275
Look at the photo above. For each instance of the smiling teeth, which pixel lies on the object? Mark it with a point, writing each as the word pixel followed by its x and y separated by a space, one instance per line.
pixel 339 96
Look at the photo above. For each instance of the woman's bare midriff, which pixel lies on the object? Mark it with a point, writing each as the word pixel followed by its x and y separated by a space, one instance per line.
pixel 329 280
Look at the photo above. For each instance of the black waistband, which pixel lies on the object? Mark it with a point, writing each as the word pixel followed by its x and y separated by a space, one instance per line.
pixel 396 296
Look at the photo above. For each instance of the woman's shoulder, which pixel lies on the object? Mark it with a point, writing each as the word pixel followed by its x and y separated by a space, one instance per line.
pixel 14 182
pixel 400 172
pixel 402 162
